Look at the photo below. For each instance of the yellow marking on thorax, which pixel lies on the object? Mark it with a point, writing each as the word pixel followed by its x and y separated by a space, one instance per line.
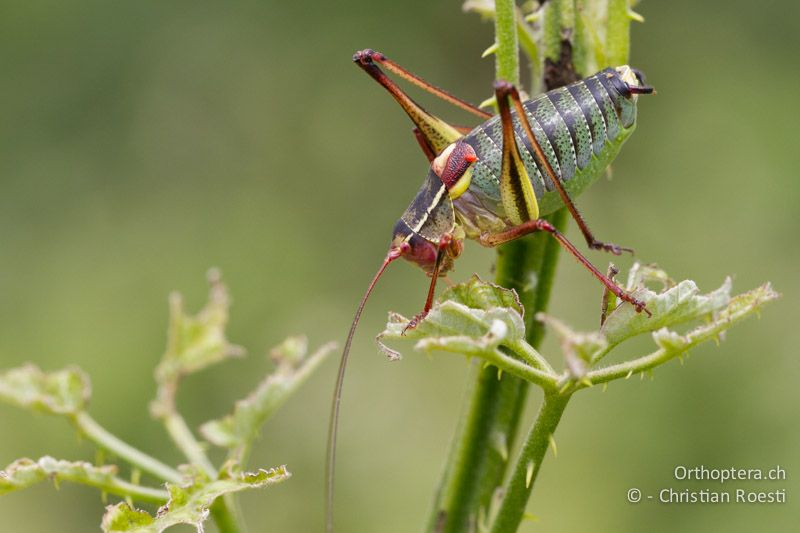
pixel 461 185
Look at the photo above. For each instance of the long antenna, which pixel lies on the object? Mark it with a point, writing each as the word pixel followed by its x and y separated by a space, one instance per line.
pixel 333 425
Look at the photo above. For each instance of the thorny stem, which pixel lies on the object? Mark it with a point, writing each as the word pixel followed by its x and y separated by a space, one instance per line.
pixel 529 463
pixel 532 357
pixel 517 490
pixel 98 434
pixel 507 66
pixel 516 367
pixel 479 452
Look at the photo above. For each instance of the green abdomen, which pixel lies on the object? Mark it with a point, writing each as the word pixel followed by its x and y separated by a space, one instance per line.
pixel 580 128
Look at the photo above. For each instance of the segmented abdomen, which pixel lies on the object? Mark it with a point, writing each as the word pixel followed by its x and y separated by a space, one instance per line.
pixel 580 128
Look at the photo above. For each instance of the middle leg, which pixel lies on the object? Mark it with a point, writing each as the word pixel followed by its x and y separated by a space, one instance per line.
pixel 540 224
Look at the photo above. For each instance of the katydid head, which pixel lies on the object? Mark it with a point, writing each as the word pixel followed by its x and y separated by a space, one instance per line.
pixel 413 247
pixel 425 233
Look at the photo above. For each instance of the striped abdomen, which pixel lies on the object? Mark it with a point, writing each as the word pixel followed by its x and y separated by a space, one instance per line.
pixel 580 129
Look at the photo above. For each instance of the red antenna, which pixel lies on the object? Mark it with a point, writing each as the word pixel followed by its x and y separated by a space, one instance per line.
pixel 333 425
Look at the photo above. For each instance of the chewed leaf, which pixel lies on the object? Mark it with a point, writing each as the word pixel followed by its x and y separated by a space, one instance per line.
pixel 64 392
pixel 478 294
pixel 474 316
pixel 194 342
pixel 122 517
pixel 739 307
pixel 250 413
pixel 23 473
pixel 640 275
pixel 672 344
pixel 188 504
pixel 676 305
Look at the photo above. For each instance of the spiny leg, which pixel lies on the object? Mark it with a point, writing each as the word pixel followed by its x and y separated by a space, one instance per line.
pixel 444 242
pixel 511 91
pixel 542 225
pixel 516 192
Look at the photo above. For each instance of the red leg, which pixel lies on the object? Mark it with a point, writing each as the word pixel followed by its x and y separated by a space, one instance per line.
pixel 610 273
pixel 444 243
pixel 543 225
pixel 545 164
pixel 423 143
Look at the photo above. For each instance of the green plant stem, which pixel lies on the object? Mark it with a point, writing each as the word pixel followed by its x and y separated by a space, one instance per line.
pixel 527 42
pixel 184 439
pixel 522 370
pixel 98 434
pixel 559 19
pixel 618 23
pixel 527 468
pixel 492 409
pixel 507 55
pixel 223 515
pixel 532 356
pixel 629 368
pixel 490 420
pixel 222 508
pixel 502 362
pixel 187 443
pixel 124 488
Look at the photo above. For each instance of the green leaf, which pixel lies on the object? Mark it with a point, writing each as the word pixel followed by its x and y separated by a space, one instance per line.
pixel 194 342
pixel 293 368
pixel 479 294
pixel 676 305
pixel 672 344
pixel 122 517
pixel 23 473
pixel 65 392
pixel 739 307
pixel 470 318
pixel 189 503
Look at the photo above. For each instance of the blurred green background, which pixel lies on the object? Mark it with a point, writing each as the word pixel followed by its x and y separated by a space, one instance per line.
pixel 143 142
